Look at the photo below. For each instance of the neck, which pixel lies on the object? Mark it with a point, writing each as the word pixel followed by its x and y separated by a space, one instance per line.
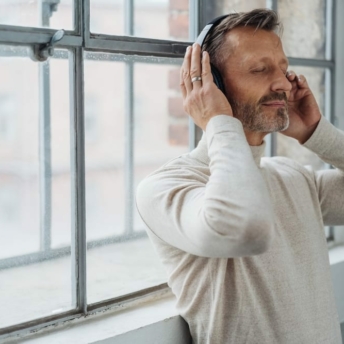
pixel 254 138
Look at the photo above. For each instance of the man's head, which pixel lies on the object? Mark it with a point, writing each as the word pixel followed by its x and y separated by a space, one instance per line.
pixel 246 49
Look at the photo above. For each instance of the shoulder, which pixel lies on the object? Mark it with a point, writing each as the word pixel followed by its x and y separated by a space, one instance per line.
pixel 181 172
pixel 280 165
pixel 182 167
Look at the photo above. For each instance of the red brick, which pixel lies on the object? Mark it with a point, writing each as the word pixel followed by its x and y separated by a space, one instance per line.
pixel 179 25
pixel 178 134
pixel 173 79
pixel 175 107
pixel 181 5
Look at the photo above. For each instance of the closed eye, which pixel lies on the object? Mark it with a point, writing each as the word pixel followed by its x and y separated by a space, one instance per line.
pixel 259 70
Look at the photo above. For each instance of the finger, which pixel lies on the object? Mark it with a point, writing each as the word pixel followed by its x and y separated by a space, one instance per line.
pixel 181 83
pixel 185 79
pixel 291 75
pixel 301 81
pixel 292 78
pixel 195 69
pixel 207 77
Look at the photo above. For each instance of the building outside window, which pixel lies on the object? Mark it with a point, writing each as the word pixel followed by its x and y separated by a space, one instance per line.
pixel 75 144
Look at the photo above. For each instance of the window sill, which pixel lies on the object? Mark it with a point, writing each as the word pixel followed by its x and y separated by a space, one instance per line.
pixel 336 254
pixel 110 325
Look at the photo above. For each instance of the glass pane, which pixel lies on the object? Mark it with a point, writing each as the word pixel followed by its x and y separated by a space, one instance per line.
pixel 19 161
pixel 289 147
pixel 304 24
pixel 161 19
pixel 60 146
pixel 216 8
pixel 38 13
pixel 122 259
pixel 31 196
pixel 158 110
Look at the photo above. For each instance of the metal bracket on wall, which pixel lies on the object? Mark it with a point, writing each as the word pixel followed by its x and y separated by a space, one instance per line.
pixel 41 52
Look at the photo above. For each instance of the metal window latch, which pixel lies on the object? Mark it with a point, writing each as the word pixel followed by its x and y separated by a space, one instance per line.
pixel 41 52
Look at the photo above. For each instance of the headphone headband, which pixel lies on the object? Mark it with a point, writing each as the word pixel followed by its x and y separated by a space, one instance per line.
pixel 200 40
pixel 202 36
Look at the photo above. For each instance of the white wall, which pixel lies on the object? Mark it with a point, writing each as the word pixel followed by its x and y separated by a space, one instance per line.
pixel 170 331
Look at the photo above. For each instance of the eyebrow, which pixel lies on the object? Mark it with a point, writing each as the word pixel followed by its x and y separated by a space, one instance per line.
pixel 284 60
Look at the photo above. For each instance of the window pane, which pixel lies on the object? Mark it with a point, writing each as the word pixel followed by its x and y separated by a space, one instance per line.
pixel 33 203
pixel 37 13
pixel 304 24
pixel 161 19
pixel 158 110
pixel 60 146
pixel 124 260
pixel 289 147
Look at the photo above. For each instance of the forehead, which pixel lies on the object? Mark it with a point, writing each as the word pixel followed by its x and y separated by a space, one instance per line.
pixel 245 42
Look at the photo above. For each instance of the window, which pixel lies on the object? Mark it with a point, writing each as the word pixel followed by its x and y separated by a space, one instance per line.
pixel 8 117
pixel 91 117
pixel 80 130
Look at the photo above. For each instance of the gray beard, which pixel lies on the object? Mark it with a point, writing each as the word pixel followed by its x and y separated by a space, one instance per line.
pixel 254 119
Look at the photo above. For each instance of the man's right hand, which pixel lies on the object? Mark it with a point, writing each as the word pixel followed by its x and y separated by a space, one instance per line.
pixel 202 99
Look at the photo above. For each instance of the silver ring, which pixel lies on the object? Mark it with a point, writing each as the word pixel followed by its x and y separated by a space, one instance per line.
pixel 196 78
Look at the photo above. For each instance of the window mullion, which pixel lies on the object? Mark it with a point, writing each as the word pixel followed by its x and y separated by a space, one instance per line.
pixel 29 35
pixel 129 17
pixel 196 24
pixel 78 240
pixel 85 24
pixel 271 140
pixel 338 80
pixel 45 156
pixel 329 55
pixel 272 4
pixel 129 126
pixel 45 175
pixel 77 9
pixel 129 147
pixel 308 62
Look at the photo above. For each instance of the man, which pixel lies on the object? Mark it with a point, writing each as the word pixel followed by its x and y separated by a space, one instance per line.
pixel 242 236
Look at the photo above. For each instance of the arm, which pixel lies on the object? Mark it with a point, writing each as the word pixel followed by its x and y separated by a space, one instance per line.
pixel 328 143
pixel 311 129
pixel 230 215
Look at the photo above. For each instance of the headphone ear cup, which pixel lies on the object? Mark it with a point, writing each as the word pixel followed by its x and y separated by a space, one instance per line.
pixel 217 78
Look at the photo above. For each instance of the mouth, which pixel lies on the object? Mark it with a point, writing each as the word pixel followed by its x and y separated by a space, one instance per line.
pixel 275 104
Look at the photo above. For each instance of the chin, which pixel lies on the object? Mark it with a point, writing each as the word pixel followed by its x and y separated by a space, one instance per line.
pixel 282 121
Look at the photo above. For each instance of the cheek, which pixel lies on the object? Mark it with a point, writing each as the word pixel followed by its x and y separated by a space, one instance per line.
pixel 243 91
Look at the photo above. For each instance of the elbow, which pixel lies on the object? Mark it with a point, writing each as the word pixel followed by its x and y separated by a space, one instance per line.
pixel 143 199
pixel 241 236
pixel 258 237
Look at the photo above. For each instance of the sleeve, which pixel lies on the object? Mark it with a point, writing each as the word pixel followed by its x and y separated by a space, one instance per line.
pixel 328 143
pixel 228 215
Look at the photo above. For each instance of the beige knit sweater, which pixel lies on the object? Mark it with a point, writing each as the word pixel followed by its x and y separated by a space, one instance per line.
pixel 242 237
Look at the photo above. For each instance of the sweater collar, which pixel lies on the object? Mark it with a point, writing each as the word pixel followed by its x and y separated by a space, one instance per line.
pixel 201 151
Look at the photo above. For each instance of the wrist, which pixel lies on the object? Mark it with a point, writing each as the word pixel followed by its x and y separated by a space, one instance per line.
pixel 308 133
pixel 214 116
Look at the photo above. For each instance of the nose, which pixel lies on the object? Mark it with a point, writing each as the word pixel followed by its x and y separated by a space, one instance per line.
pixel 280 82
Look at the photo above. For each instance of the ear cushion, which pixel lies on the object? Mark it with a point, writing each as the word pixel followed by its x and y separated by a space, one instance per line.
pixel 217 78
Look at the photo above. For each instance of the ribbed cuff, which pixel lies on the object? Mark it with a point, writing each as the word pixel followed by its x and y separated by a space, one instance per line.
pixel 223 123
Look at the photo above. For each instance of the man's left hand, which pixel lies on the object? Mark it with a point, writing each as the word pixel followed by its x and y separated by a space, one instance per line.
pixel 304 112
